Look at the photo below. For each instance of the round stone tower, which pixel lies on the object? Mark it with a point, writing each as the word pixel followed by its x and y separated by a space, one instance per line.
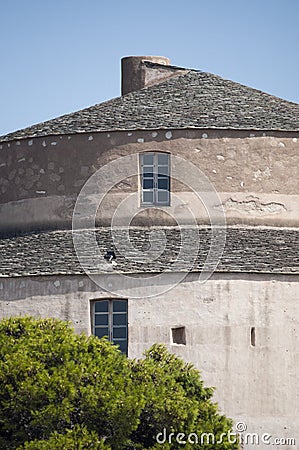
pixel 183 162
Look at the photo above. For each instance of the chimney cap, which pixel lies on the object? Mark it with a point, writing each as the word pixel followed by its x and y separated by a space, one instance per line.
pixel 154 59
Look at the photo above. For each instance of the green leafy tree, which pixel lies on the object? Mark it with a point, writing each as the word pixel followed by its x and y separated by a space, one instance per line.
pixel 78 438
pixel 52 379
pixel 177 402
pixel 60 390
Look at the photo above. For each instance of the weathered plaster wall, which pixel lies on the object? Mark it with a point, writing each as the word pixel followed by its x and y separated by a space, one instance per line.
pixel 258 385
pixel 255 174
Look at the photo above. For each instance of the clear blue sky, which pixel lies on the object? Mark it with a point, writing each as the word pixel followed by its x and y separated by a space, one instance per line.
pixel 58 56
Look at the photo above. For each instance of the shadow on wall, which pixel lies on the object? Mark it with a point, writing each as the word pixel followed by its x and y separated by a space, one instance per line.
pixel 20 288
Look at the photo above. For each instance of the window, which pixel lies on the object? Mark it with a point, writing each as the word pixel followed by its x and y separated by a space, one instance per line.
pixel 252 336
pixel 155 180
pixel 178 335
pixel 110 318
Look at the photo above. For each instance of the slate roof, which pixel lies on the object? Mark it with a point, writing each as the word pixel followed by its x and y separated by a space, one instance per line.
pixel 250 250
pixel 194 99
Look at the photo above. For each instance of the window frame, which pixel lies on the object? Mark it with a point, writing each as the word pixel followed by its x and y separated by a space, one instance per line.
pixel 160 172
pixel 110 325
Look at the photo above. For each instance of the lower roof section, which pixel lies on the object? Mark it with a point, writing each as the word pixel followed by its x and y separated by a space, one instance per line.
pixel 144 250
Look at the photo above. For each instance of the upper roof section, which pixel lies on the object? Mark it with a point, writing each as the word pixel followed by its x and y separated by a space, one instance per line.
pixel 174 99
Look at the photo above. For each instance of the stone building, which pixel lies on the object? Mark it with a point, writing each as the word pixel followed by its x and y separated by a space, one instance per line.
pixel 168 214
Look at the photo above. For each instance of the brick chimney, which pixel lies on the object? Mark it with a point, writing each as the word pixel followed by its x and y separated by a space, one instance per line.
pixel 141 71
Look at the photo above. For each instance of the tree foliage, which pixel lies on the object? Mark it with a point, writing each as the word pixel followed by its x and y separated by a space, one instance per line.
pixel 78 438
pixel 60 390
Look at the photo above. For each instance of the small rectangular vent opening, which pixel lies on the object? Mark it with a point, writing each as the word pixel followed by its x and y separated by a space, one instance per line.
pixel 178 335
pixel 252 336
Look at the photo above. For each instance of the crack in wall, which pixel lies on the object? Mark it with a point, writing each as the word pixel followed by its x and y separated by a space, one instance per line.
pixel 254 207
